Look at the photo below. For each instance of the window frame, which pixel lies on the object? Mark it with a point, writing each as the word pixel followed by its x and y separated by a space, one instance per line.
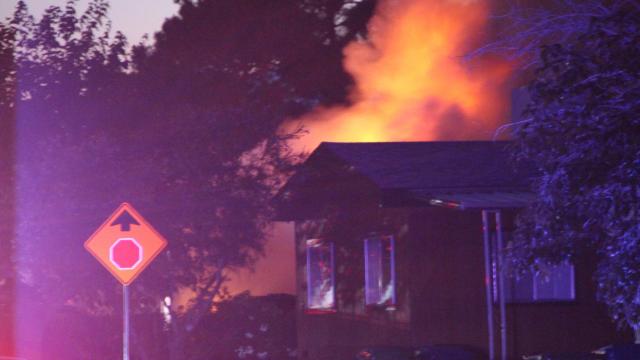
pixel 392 302
pixel 572 285
pixel 532 285
pixel 315 244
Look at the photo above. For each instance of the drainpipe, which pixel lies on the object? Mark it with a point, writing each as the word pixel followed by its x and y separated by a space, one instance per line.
pixel 503 308
pixel 487 282
pixel 486 229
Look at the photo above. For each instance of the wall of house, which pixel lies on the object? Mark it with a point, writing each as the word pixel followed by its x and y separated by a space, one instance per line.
pixel 440 285
pixel 578 326
pixel 448 297
pixel 351 326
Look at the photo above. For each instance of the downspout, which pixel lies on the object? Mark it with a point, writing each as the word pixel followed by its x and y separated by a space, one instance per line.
pixel 503 308
pixel 487 282
pixel 486 230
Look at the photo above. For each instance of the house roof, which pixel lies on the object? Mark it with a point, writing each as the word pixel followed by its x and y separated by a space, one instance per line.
pixel 433 166
pixel 460 174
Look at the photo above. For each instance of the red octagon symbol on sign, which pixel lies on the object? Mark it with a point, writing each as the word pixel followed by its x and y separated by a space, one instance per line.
pixel 125 253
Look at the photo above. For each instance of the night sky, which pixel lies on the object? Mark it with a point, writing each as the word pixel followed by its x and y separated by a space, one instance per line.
pixel 133 18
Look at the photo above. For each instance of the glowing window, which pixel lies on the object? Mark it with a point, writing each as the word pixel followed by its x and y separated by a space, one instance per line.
pixel 379 271
pixel 320 275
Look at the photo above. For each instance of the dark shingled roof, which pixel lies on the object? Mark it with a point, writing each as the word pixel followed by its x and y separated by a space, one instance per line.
pixel 433 166
pixel 457 174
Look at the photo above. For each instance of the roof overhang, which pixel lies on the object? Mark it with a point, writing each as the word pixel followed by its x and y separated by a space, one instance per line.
pixel 479 200
pixel 456 175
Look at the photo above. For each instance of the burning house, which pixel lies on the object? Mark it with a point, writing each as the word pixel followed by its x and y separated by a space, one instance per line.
pixel 401 244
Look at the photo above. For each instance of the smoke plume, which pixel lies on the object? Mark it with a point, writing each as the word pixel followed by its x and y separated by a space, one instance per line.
pixel 411 81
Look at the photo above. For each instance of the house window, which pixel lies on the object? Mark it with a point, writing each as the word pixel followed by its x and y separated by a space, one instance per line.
pixel 379 270
pixel 554 283
pixel 320 275
pixel 550 283
pixel 547 283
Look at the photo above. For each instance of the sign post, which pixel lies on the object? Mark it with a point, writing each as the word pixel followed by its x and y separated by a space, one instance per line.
pixel 125 325
pixel 125 244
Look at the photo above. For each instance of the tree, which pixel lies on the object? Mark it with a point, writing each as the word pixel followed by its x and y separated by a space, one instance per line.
pixel 266 60
pixel 7 220
pixel 581 130
pixel 522 29
pixel 186 130
pixel 247 68
pixel 47 72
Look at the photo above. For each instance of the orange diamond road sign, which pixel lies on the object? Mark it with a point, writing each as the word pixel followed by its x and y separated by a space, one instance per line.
pixel 125 244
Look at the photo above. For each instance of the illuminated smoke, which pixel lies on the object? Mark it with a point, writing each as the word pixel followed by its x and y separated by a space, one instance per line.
pixel 411 82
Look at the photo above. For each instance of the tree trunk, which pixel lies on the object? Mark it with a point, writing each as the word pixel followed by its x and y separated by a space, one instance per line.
pixel 182 327
pixel 636 333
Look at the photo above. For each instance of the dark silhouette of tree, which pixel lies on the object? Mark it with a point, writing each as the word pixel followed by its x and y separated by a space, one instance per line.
pixel 522 28
pixel 263 61
pixel 186 130
pixel 247 67
pixel 7 203
pixel 582 130
pixel 52 74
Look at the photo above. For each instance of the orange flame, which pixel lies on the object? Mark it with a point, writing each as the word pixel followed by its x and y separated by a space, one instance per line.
pixel 410 80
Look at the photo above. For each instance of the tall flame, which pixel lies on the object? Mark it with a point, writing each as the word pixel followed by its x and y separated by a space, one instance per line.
pixel 411 82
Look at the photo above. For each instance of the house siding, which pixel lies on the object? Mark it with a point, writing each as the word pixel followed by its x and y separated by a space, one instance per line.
pixel 450 301
pixel 449 293
pixel 340 334
pixel 440 266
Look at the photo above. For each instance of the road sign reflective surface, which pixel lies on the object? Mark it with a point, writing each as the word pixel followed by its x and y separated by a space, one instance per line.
pixel 125 244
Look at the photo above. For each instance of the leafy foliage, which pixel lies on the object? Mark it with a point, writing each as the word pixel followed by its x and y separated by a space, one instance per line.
pixel 522 29
pixel 186 130
pixel 581 131
pixel 7 220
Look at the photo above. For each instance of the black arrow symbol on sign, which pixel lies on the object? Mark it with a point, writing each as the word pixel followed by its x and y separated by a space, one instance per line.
pixel 125 220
